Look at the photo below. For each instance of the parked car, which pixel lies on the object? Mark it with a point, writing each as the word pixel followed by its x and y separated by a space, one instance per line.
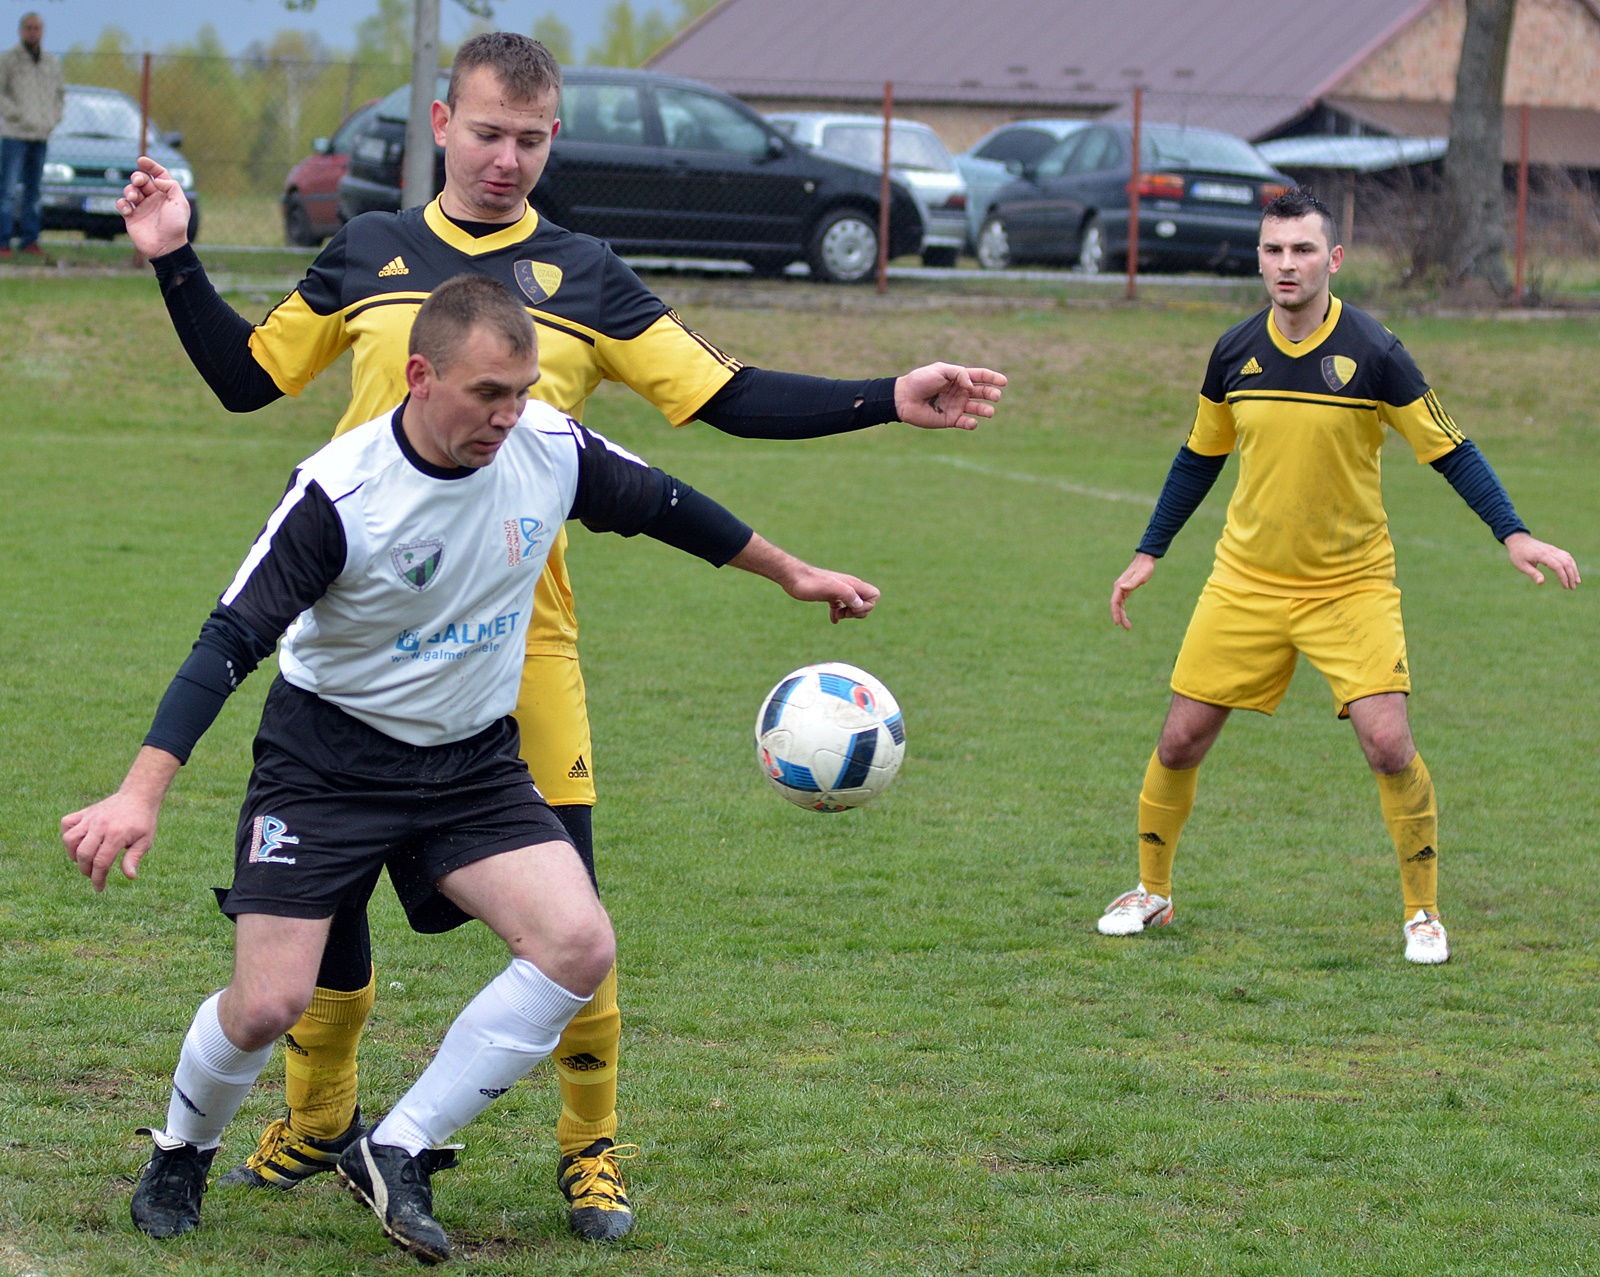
pixel 916 156
pixel 1200 198
pixel 997 158
pixel 311 191
pixel 658 165
pixel 89 157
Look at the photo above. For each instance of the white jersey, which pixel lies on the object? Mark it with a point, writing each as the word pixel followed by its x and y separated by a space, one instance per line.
pixel 404 590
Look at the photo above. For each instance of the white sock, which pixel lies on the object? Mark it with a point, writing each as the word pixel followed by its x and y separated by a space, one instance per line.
pixel 513 1023
pixel 211 1081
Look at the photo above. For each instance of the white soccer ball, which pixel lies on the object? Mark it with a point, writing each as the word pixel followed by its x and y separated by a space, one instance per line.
pixel 830 737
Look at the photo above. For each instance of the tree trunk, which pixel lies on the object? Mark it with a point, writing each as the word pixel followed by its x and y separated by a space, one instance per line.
pixel 1466 237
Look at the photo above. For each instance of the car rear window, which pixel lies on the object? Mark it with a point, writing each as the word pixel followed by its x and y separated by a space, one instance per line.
pixel 908 148
pixel 1201 149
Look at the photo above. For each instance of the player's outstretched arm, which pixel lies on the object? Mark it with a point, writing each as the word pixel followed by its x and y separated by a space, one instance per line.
pixel 121 824
pixel 845 595
pixel 947 396
pixel 154 209
pixel 1134 575
pixel 1528 553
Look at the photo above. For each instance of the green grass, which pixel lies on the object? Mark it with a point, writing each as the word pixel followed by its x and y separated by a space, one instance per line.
pixel 885 1042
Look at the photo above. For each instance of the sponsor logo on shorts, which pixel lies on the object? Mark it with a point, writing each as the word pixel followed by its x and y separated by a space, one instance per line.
pixel 523 537
pixel 268 838
pixel 579 770
pixel 1400 666
pixel 417 562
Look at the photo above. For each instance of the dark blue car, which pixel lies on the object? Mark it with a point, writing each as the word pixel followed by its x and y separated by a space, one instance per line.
pixel 1200 198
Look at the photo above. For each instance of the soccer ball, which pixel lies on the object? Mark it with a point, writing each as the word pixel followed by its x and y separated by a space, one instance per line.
pixel 830 737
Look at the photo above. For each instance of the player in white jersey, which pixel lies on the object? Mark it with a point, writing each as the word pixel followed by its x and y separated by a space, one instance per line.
pixel 399 567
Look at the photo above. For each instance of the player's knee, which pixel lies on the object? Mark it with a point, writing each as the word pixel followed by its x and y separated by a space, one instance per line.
pixel 585 949
pixel 255 1018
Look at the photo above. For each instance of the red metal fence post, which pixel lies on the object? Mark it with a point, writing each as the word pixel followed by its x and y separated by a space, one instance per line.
pixel 1522 204
pixel 883 191
pixel 1133 198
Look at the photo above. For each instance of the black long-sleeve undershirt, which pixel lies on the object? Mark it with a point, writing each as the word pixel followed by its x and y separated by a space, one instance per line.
pixel 756 403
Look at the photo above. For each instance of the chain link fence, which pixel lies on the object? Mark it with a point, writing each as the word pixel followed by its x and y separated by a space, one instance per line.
pixel 245 123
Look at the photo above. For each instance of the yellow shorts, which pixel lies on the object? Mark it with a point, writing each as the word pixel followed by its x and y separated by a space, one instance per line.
pixel 553 715
pixel 1240 648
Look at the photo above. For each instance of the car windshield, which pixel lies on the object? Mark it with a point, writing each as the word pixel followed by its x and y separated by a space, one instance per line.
pixel 908 148
pixel 108 115
pixel 1201 149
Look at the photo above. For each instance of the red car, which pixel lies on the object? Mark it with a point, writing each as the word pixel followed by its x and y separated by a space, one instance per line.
pixel 311 191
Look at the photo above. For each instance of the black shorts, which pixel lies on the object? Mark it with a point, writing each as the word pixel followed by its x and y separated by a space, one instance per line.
pixel 332 801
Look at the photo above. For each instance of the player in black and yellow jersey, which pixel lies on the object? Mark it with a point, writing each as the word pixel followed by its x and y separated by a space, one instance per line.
pixel 596 321
pixel 1303 392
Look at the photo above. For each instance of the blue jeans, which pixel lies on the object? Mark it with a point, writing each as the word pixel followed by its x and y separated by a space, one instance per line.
pixel 20 161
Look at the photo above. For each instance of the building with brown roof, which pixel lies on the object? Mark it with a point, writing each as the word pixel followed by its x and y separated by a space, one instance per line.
pixel 1258 68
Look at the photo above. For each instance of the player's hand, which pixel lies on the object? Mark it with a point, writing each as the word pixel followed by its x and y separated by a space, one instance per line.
pixel 947 396
pixel 1528 552
pixel 1134 575
pixel 154 209
pixel 119 825
pixel 845 595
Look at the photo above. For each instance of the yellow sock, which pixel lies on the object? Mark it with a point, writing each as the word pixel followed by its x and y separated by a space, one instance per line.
pixel 1412 815
pixel 319 1061
pixel 1165 802
pixel 586 1066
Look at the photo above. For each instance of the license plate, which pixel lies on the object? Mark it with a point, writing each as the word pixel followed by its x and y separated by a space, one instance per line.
pixel 1222 192
pixel 99 203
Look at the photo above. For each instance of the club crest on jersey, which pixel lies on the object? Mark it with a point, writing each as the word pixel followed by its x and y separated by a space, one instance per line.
pixel 537 280
pixel 417 562
pixel 1338 371
pixel 523 537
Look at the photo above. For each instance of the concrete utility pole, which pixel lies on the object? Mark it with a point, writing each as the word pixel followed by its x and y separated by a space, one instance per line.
pixel 417 177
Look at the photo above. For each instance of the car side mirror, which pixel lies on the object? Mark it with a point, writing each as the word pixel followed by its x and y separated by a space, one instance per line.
pixel 775 147
pixel 321 145
pixel 174 140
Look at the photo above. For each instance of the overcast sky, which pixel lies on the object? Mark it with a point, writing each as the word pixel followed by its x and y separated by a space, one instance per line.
pixel 152 24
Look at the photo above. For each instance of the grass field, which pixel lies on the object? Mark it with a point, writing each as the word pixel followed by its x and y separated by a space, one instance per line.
pixel 884 1042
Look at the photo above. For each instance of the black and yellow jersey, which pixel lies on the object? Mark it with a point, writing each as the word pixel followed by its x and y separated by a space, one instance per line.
pixel 596 321
pixel 1307 419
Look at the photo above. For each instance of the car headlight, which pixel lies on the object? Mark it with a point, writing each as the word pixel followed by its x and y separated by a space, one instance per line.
pixel 183 177
pixel 54 172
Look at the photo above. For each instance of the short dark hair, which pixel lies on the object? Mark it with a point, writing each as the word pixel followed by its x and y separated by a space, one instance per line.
pixel 524 66
pixel 1297 201
pixel 459 305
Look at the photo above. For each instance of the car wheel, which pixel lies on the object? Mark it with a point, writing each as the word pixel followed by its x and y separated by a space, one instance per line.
pixel 844 247
pixel 1091 247
pixel 939 258
pixel 994 245
pixel 297 224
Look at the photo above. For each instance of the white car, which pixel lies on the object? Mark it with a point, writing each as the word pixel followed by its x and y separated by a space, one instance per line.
pixel 917 158
pixel 997 157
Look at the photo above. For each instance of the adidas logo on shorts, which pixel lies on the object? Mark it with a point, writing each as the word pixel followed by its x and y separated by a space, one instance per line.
pixel 579 770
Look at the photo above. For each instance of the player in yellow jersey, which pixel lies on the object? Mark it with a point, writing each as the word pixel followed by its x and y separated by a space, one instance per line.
pixel 1303 391
pixel 596 321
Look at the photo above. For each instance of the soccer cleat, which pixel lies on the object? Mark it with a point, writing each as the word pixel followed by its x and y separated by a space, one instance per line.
pixel 282 1159
pixel 398 1188
pixel 166 1201
pixel 597 1197
pixel 1133 911
pixel 1426 941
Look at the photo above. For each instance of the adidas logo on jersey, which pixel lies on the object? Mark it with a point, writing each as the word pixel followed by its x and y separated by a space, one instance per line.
pixel 396 266
pixel 579 770
pixel 1251 368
